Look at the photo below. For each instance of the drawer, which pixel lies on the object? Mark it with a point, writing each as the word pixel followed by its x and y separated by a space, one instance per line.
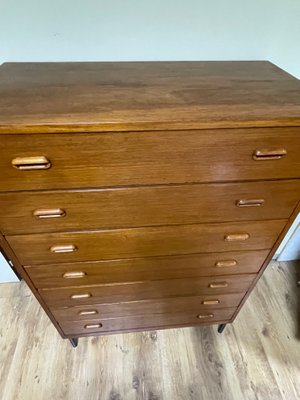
pixel 52 211
pixel 114 293
pixel 49 161
pixel 148 307
pixel 144 322
pixel 146 269
pixel 141 242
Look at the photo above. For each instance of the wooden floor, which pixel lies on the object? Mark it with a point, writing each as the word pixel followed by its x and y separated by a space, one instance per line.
pixel 258 357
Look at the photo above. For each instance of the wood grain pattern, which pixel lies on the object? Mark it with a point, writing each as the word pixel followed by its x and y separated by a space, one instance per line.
pixel 242 363
pixel 38 97
pixel 144 322
pixel 170 305
pixel 136 291
pixel 145 206
pixel 150 268
pixel 142 242
pixel 142 158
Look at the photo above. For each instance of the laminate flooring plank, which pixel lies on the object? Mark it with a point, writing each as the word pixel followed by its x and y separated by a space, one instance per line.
pixel 257 357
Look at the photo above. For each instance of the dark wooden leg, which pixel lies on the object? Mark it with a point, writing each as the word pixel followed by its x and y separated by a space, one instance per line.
pixel 221 328
pixel 74 342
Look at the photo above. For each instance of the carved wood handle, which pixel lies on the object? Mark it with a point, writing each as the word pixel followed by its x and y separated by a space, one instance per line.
pixel 80 296
pixel 88 312
pixel 236 237
pixel 30 163
pixel 74 275
pixel 49 213
pixel 210 302
pixel 250 202
pixel 217 285
pixel 266 154
pixel 69 248
pixel 205 316
pixel 92 326
pixel 225 263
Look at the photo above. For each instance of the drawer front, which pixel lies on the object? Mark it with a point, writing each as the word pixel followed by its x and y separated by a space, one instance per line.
pixel 146 269
pixel 147 307
pixel 114 293
pixel 41 212
pixel 50 161
pixel 141 322
pixel 141 242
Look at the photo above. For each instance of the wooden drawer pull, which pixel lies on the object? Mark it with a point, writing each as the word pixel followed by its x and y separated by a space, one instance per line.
pixel 236 237
pixel 210 302
pixel 81 296
pixel 49 213
pixel 69 248
pixel 217 285
pixel 205 316
pixel 74 275
pixel 92 326
pixel 29 163
pixel 225 263
pixel 265 154
pixel 250 202
pixel 88 312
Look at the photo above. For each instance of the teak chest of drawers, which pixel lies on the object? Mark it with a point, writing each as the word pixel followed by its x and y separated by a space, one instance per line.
pixel 140 196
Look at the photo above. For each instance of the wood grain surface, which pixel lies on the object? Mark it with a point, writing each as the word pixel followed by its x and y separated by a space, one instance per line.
pixel 52 211
pixel 144 242
pixel 145 269
pixel 145 322
pixel 123 292
pixel 254 359
pixel 143 158
pixel 141 95
pixel 178 305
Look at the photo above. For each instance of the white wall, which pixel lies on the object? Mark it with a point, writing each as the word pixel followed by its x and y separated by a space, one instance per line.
pixel 289 248
pixel 6 273
pixel 56 30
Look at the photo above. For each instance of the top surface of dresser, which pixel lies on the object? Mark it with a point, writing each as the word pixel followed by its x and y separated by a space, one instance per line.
pixel 106 96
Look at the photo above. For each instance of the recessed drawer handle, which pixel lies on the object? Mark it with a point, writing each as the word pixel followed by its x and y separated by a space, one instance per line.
pixel 225 263
pixel 88 312
pixel 236 237
pixel 29 163
pixel 205 316
pixel 92 326
pixel 69 248
pixel 250 202
pixel 81 296
pixel 49 213
pixel 217 285
pixel 210 302
pixel 73 275
pixel 264 155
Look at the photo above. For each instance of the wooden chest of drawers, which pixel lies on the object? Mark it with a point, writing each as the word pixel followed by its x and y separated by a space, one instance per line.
pixel 141 196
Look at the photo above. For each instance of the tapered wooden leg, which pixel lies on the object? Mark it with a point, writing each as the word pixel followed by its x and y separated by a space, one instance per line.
pixel 221 328
pixel 74 342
